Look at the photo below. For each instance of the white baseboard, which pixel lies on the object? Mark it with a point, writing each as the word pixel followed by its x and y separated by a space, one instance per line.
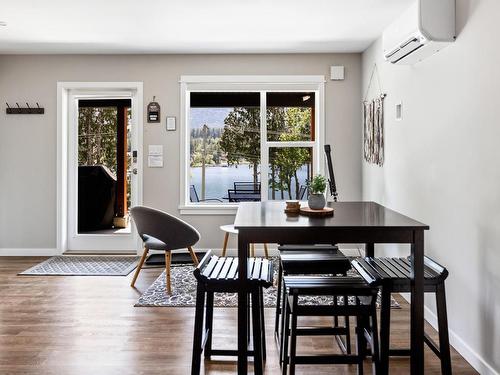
pixel 461 346
pixel 24 252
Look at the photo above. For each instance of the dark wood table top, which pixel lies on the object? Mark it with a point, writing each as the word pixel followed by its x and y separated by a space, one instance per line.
pixel 270 214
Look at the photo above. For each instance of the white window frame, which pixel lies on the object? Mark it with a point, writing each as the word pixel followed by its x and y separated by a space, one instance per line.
pixel 250 83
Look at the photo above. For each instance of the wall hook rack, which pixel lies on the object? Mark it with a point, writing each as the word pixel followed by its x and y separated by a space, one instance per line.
pixel 18 110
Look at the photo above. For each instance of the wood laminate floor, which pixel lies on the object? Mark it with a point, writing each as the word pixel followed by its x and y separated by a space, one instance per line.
pixel 89 326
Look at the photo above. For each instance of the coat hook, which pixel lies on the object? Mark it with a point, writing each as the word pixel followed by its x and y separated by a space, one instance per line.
pixel 18 105
pixel 8 106
pixel 37 105
pixel 27 105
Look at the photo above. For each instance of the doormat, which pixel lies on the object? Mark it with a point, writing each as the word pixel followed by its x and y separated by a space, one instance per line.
pixel 72 265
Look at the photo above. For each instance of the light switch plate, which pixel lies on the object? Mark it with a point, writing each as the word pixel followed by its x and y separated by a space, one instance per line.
pixel 155 161
pixel 170 123
pixel 155 150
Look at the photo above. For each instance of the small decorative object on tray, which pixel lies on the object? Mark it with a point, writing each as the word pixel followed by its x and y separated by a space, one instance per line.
pixel 292 207
pixel 317 187
pixel 324 212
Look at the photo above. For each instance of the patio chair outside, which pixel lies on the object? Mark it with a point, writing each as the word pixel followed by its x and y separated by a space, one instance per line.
pixel 193 196
pixel 247 186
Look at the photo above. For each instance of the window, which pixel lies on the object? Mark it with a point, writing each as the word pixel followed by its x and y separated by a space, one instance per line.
pixel 248 141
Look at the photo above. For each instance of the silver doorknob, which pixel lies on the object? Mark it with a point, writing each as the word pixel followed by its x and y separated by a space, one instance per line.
pixel 134 171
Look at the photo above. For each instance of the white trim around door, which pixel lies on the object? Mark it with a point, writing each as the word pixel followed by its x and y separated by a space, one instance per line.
pixel 66 91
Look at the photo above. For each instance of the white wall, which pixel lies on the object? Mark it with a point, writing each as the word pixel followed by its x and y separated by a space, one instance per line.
pixel 442 167
pixel 28 143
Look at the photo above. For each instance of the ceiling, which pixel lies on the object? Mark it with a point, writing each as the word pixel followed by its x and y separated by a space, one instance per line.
pixel 193 26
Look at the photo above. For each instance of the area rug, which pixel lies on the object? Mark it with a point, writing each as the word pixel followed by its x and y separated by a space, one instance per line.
pixel 72 265
pixel 184 293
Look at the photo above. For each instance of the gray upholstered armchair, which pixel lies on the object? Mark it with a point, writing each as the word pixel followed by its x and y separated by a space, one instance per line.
pixel 161 231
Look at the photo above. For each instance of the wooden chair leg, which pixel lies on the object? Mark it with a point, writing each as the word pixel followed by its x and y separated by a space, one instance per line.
pixel 361 343
pixel 293 336
pixel 285 323
pixel 266 251
pixel 278 311
pixel 193 256
pixel 139 266
pixel 224 245
pixel 348 329
pixel 209 324
pixel 198 331
pixel 385 329
pixel 285 331
pixel 263 323
pixel 257 334
pixel 444 342
pixel 168 257
pixel 373 329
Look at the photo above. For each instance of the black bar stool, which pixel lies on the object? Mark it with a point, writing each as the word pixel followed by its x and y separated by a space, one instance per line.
pixel 393 276
pixel 220 275
pixel 307 260
pixel 364 309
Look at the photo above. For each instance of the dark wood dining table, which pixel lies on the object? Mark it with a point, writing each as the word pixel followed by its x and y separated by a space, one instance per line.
pixel 353 222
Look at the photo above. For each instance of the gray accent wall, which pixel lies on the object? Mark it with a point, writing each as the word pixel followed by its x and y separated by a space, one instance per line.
pixel 442 168
pixel 28 143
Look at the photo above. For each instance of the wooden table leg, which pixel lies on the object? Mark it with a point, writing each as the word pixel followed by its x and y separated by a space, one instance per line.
pixel 417 303
pixel 242 305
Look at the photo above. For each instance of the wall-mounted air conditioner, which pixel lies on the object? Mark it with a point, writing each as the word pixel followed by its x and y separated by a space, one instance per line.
pixel 424 29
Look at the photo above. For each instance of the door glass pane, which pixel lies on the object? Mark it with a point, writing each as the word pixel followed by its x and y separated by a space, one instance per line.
pixel 103 166
pixel 224 147
pixel 290 116
pixel 289 170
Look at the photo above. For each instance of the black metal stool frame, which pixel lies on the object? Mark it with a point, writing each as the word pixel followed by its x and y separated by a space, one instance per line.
pixel 366 331
pixel 318 266
pixel 228 283
pixel 392 276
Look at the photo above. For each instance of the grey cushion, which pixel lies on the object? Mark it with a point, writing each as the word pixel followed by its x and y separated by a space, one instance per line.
pixel 154 243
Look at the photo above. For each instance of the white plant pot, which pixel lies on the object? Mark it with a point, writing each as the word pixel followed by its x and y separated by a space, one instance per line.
pixel 316 201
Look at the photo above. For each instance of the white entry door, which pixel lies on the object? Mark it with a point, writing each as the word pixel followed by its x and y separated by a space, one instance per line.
pixel 100 163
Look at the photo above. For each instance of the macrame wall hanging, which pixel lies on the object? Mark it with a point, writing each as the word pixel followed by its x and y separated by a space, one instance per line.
pixel 373 123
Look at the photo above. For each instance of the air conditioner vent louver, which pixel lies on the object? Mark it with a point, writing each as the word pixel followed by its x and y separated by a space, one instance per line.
pixel 404 50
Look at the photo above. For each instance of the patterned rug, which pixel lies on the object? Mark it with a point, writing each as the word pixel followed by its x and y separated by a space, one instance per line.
pixel 72 265
pixel 184 292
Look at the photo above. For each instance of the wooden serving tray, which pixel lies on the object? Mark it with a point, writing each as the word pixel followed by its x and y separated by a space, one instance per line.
pixel 327 211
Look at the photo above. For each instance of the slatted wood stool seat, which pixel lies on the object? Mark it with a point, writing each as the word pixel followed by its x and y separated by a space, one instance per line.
pixel 220 275
pixel 363 309
pixel 312 259
pixel 393 276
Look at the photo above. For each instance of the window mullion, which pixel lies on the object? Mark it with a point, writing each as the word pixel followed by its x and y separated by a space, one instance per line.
pixel 264 148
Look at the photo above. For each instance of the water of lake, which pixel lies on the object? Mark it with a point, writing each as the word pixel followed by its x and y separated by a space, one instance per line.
pixel 219 179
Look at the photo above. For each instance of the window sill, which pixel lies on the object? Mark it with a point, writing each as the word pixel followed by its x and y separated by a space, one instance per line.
pixel 208 209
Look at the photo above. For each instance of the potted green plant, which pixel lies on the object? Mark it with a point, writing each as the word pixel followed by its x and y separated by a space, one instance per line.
pixel 317 188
